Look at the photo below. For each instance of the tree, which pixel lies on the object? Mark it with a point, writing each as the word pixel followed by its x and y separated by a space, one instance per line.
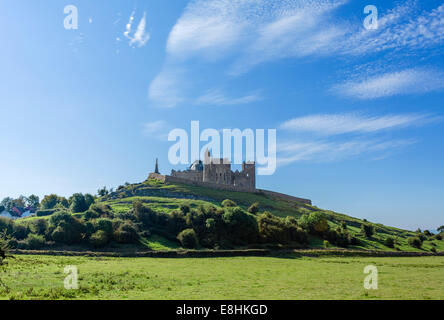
pixel 318 222
pixel 89 200
pixel 2 208
pixel 367 229
pixel 102 192
pixel 7 203
pixel 78 203
pixel 33 201
pixel 415 242
pixel 49 201
pixel 441 229
pixel 188 238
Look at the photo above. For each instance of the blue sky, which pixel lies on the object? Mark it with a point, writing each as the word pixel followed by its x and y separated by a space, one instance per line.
pixel 358 112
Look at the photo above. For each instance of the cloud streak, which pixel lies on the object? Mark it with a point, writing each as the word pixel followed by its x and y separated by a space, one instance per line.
pixel 140 36
pixel 333 124
pixel 409 81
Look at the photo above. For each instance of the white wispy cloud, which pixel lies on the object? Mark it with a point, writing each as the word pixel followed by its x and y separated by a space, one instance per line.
pixel 218 98
pixel 409 81
pixel 140 36
pixel 167 88
pixel 242 34
pixel 156 129
pixel 332 124
pixel 337 137
pixel 331 151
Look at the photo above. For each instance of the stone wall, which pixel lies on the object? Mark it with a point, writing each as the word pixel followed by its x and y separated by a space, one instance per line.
pixel 171 179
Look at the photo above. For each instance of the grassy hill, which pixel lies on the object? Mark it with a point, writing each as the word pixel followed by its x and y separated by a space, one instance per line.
pixel 169 197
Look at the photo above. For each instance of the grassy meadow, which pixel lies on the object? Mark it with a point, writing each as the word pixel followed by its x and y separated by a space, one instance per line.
pixel 42 277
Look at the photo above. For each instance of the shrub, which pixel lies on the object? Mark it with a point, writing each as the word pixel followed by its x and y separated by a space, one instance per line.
pixel 242 227
pixel 184 208
pixel 12 243
pixel 39 226
pixel 100 210
pixel 415 242
pixel 145 215
pixel 78 203
pixel 438 237
pixel 326 244
pixel 99 239
pixel 389 242
pixel 433 250
pixel 188 238
pixel 6 225
pixel 50 201
pixel 422 237
pixel 34 241
pixel 427 233
pixel 367 229
pixel 176 222
pixel 277 230
pixel 227 203
pixel 66 228
pixel 105 225
pixel 254 208
pixel 126 233
pixel 210 224
pixel 316 222
pixel 44 213
pixel 20 232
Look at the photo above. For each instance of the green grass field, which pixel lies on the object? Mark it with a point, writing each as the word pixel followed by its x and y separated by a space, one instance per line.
pixel 42 277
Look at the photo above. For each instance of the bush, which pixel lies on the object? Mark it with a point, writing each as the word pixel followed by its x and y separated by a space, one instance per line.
pixel 433 250
pixel 427 233
pixel 39 226
pixel 99 239
pixel 367 229
pixel 78 203
pixel 20 232
pixel 105 225
pixel 389 242
pixel 50 201
pixel 184 208
pixel 242 227
pixel 254 208
pixel 438 237
pixel 12 243
pixel 326 244
pixel 6 225
pixel 100 210
pixel 227 203
pixel 273 229
pixel 149 217
pixel 126 233
pixel 34 241
pixel 415 242
pixel 65 228
pixel 44 213
pixel 188 238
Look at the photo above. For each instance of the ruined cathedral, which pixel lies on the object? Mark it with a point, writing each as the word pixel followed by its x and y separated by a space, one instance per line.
pixel 214 172
pixel 218 171
pixel 217 174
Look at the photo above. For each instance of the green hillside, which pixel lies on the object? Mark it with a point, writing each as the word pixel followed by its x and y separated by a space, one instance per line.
pixel 169 197
pixel 153 215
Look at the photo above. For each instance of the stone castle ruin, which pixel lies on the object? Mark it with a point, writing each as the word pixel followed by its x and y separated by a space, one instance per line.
pixel 218 171
pixel 217 174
